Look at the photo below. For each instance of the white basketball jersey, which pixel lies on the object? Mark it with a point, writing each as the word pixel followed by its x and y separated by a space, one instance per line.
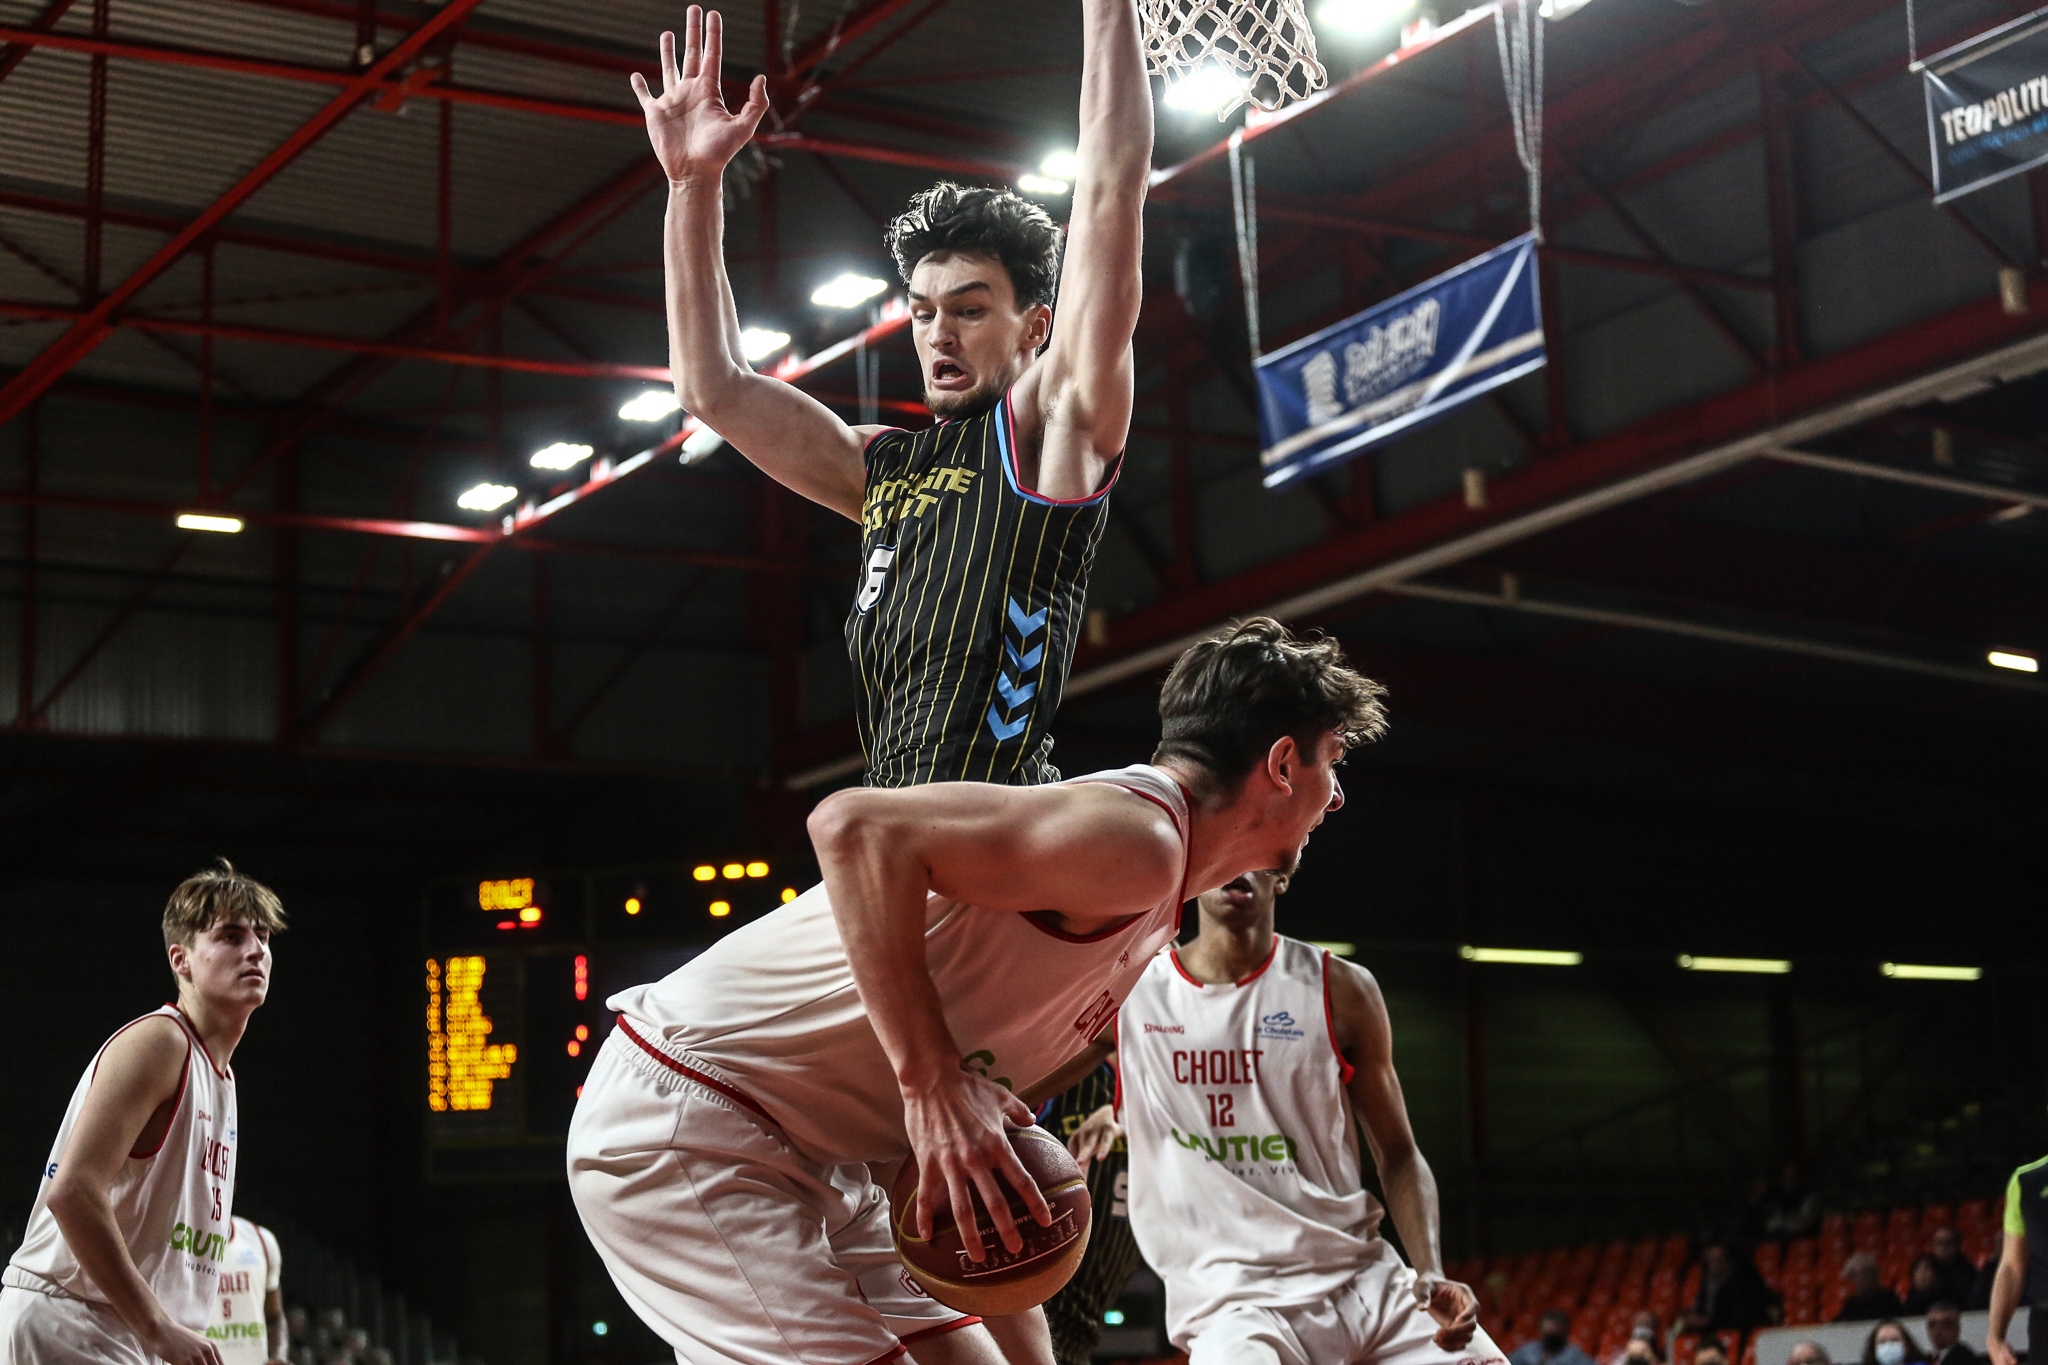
pixel 771 1010
pixel 172 1204
pixel 239 1330
pixel 1245 1178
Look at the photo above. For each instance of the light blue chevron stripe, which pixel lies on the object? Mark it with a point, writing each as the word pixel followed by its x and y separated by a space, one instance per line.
pixel 1024 663
pixel 1006 729
pixel 1015 694
pixel 1027 626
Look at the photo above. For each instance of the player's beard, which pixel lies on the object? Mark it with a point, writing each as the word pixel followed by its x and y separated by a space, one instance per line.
pixel 951 407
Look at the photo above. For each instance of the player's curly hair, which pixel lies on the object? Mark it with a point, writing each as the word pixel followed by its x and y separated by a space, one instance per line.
pixel 994 223
pixel 1229 698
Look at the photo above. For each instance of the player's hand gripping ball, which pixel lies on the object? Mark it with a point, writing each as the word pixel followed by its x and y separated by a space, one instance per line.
pixel 1002 1282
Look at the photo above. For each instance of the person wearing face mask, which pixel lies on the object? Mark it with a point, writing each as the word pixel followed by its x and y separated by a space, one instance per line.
pixel 1889 1343
pixel 1645 1342
pixel 1554 1346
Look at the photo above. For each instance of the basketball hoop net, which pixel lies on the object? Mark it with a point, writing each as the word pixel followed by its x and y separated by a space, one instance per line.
pixel 1266 43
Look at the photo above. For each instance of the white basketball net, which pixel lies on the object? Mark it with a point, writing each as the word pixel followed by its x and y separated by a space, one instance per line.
pixel 1267 43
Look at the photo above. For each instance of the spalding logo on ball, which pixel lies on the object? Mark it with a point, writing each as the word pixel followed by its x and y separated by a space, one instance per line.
pixel 1003 1281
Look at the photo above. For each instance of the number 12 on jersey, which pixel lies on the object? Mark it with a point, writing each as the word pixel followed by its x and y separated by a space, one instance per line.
pixel 1220 1107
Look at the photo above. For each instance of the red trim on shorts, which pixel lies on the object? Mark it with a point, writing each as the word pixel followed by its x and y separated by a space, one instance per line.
pixel 712 1083
pixel 1345 1071
pixel 1260 970
pixel 941 1329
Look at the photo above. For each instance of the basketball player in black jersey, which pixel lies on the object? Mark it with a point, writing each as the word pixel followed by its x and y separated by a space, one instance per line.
pixel 977 534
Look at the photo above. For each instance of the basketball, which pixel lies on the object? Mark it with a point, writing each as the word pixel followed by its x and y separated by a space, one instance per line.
pixel 1003 1282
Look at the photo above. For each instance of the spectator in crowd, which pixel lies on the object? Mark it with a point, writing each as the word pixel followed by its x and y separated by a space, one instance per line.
pixel 1868 1296
pixel 1732 1293
pixel 1554 1346
pixel 1958 1276
pixel 1788 1208
pixel 1808 1353
pixel 1645 1342
pixel 1945 1344
pixel 1925 1288
pixel 1889 1343
pixel 1708 1352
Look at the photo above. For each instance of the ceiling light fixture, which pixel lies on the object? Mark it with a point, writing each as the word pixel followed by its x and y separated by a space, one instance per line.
pixel 1909 971
pixel 561 455
pixel 651 406
pixel 1040 184
pixel 206 521
pixel 1362 16
pixel 1204 90
pixel 700 443
pixel 486 497
pixel 1522 957
pixel 847 291
pixel 1061 165
pixel 1335 949
pixel 2002 658
pixel 1560 9
pixel 758 343
pixel 1757 966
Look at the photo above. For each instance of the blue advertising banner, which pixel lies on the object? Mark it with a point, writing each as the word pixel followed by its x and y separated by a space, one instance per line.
pixel 1400 364
pixel 1987 106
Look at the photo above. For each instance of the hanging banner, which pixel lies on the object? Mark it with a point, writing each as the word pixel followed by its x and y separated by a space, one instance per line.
pixel 1987 106
pixel 1400 364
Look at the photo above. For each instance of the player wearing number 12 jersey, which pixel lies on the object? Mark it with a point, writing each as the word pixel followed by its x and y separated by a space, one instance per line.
pixel 122 1260
pixel 1249 1061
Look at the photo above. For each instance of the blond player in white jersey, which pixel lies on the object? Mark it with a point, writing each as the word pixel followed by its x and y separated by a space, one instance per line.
pixel 1250 1061
pixel 121 1263
pixel 968 941
pixel 249 1329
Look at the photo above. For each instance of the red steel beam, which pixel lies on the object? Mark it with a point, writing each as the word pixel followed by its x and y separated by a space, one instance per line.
pixel 12 55
pixel 89 331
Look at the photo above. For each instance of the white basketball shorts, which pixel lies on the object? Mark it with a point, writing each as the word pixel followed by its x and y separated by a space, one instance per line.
pixel 728 1242
pixel 50 1329
pixel 1371 1320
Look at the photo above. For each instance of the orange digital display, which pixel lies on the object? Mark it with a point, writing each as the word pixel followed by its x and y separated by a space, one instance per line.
pixel 462 1063
pixel 509 893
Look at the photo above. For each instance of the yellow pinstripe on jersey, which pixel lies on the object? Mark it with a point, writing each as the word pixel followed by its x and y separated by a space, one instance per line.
pixel 969 605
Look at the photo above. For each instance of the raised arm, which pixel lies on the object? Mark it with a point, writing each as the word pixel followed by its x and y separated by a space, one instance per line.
pixel 794 439
pixel 1366 1038
pixel 128 1109
pixel 1078 395
pixel 1090 852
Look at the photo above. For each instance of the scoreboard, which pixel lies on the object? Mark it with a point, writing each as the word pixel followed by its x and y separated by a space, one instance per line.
pixel 515 975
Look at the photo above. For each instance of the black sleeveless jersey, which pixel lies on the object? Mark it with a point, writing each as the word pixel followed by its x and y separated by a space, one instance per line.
pixel 970 600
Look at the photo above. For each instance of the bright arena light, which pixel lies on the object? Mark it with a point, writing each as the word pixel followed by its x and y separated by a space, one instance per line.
pixel 2018 663
pixel 202 521
pixel 848 291
pixel 1909 971
pixel 561 455
pixel 650 406
pixel 758 343
pixel 1759 966
pixel 1061 166
pixel 1205 89
pixel 486 497
pixel 1522 957
pixel 1362 16
pixel 1560 9
pixel 700 443
pixel 1041 184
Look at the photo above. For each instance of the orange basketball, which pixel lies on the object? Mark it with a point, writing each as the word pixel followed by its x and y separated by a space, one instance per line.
pixel 1002 1282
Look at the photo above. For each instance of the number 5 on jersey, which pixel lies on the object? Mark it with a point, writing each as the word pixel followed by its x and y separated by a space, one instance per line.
pixel 878 577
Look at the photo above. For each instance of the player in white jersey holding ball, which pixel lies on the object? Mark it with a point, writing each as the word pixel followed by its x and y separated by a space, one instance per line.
pixel 968 941
pixel 250 1327
pixel 121 1262
pixel 1250 1060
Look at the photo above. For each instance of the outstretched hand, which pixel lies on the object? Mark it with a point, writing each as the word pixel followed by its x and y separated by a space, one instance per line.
pixel 693 133
pixel 959 1140
pixel 1454 1306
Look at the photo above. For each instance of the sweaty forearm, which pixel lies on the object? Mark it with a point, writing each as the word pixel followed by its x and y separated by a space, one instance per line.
pixel 878 888
pixel 87 1221
pixel 1410 1188
pixel 1116 100
pixel 703 322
